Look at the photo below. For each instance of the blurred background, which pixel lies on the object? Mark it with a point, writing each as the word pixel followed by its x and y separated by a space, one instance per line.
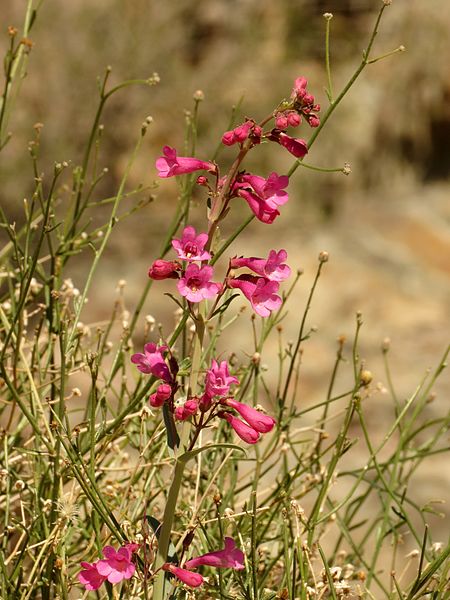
pixel 386 226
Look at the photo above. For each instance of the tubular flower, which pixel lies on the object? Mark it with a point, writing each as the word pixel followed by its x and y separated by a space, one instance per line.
pixel 191 246
pixel 296 146
pixel 152 361
pixel 90 577
pixel 117 565
pixel 196 284
pixel 230 557
pixel 273 268
pixel 244 431
pixel 263 196
pixel 256 419
pixel 188 577
pixel 259 291
pixel 170 164
pixel 218 379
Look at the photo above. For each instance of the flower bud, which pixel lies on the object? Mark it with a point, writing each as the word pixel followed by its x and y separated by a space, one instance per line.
pixel 164 269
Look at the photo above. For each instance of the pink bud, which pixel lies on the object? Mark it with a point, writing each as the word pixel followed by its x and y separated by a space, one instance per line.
pixel 202 180
pixel 244 431
pixel 256 419
pixel 256 134
pixel 155 401
pixel 308 99
pixel 188 577
pixel 294 119
pixel 313 121
pixel 281 121
pixel 228 138
pixel 164 269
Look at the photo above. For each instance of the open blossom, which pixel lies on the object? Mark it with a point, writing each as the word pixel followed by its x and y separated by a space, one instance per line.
pixel 230 557
pixel 272 268
pixel 244 431
pixel 218 379
pixel 164 269
pixel 191 246
pixel 117 565
pixel 261 293
pixel 196 284
pixel 263 196
pixel 256 419
pixel 90 577
pixel 170 164
pixel 188 577
pixel 152 361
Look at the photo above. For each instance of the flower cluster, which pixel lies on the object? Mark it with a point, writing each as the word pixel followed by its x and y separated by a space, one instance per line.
pixel 118 565
pixel 216 400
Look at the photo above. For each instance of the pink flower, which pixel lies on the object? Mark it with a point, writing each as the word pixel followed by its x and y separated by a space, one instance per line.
pixel 163 393
pixel 230 557
pixel 117 565
pixel 170 164
pixel 191 246
pixel 259 291
pixel 185 411
pixel 263 196
pixel 196 285
pixel 188 577
pixel 90 577
pixel 218 379
pixel 164 269
pixel 256 419
pixel 272 268
pixel 295 146
pixel 244 431
pixel 152 361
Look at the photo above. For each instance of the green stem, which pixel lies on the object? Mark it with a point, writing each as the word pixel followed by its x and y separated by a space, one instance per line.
pixel 166 529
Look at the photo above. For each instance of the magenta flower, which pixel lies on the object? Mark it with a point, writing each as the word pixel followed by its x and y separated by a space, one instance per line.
pixel 256 419
pixel 263 196
pixel 191 246
pixel 295 146
pixel 259 291
pixel 218 379
pixel 152 361
pixel 230 557
pixel 90 577
pixel 117 565
pixel 170 164
pixel 196 285
pixel 164 269
pixel 188 577
pixel 244 431
pixel 272 268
